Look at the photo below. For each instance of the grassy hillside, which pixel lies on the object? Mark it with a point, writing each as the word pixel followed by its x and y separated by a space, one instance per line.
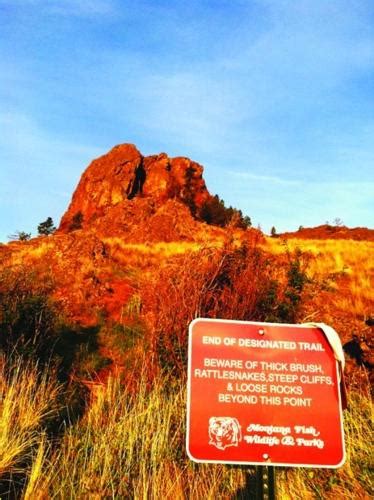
pixel 347 269
pixel 102 415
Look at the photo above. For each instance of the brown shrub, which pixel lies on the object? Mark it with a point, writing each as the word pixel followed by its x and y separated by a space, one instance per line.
pixel 241 283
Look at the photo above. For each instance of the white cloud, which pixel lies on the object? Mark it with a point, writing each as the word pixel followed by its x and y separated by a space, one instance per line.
pixel 38 172
pixel 66 7
pixel 263 178
pixel 23 137
pixel 309 204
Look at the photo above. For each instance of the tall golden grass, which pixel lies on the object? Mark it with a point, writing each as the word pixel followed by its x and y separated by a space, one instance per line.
pixel 131 445
pixel 348 266
pixel 28 399
pixel 354 480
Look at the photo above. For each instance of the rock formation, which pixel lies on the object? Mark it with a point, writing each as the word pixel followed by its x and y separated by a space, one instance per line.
pixel 128 213
pixel 124 181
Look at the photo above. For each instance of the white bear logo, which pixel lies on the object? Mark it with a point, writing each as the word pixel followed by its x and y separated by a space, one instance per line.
pixel 224 432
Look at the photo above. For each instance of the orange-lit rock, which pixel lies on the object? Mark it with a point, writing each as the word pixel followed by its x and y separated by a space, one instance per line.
pixel 124 175
pixel 127 205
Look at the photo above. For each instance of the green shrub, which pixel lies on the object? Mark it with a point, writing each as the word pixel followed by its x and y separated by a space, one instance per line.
pixel 215 212
pixel 47 227
pixel 28 317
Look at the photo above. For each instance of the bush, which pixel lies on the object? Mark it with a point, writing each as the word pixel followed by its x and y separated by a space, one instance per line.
pixel 47 227
pixel 28 317
pixel 228 283
pixel 20 236
pixel 31 327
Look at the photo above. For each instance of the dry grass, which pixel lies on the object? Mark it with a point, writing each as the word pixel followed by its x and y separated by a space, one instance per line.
pixel 354 479
pixel 347 266
pixel 27 401
pixel 135 253
pixel 131 445
pixel 32 251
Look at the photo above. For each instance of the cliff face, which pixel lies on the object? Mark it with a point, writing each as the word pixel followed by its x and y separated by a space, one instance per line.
pixel 123 180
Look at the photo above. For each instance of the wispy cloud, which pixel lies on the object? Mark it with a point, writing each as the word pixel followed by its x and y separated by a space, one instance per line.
pixel 309 204
pixel 263 178
pixel 191 107
pixel 22 136
pixel 273 97
pixel 39 172
pixel 66 7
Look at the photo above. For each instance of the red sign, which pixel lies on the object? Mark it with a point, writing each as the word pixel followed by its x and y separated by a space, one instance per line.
pixel 262 393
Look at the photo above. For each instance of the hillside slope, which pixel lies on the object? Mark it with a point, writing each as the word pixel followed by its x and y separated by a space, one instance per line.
pixel 328 232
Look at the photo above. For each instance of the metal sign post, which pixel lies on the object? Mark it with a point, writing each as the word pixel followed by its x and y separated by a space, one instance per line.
pixel 265 483
pixel 259 484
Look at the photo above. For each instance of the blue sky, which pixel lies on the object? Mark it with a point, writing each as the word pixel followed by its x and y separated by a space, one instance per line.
pixel 273 97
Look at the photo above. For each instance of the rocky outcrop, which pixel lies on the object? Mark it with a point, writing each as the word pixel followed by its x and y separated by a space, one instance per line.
pixel 112 183
pixel 327 232
pixel 129 215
